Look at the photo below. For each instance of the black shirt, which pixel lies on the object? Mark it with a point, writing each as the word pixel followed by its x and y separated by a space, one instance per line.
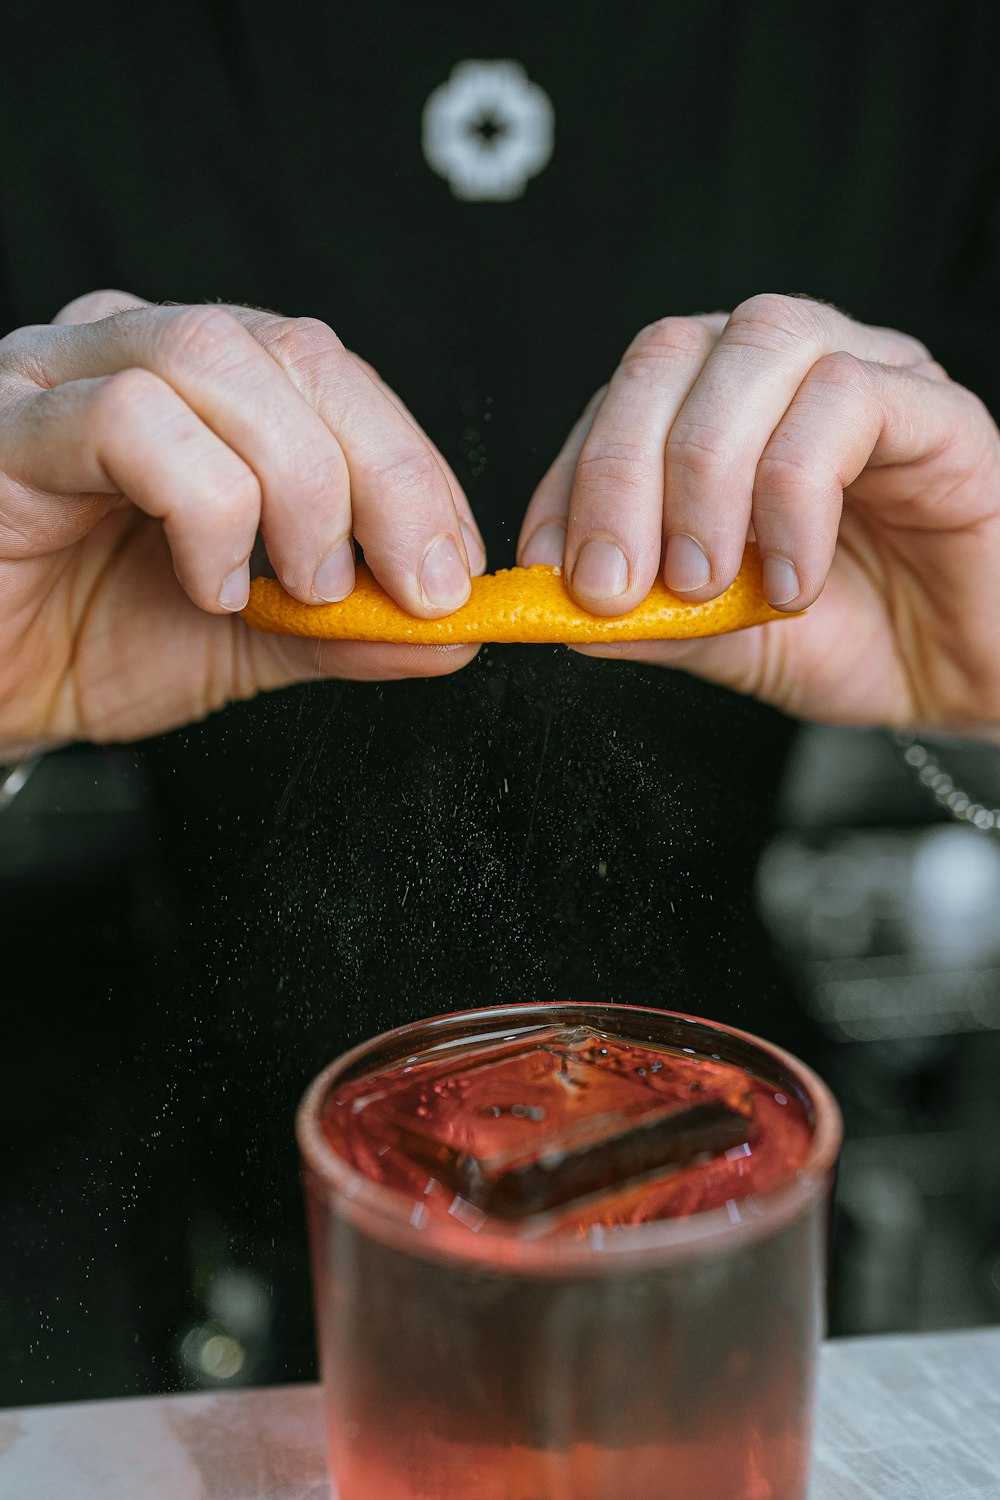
pixel 343 857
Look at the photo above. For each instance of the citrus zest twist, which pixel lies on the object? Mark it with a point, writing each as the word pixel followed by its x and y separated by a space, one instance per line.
pixel 516 604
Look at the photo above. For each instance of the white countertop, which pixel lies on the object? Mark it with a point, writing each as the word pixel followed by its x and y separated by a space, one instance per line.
pixel 901 1418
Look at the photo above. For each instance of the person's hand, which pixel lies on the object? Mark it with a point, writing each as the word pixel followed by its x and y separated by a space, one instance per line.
pixel 870 480
pixel 141 449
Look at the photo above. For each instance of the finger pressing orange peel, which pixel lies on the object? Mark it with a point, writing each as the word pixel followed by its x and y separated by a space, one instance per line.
pixel 518 604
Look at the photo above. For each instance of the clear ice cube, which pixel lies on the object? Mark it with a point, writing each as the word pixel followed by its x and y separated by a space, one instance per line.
pixel 535 1123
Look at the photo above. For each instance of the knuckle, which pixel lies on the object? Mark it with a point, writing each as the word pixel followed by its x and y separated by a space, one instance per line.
pixel 222 501
pixel 838 371
pixel 198 334
pixel 699 449
pixel 414 473
pixel 666 339
pixel 974 422
pixel 320 478
pixel 123 395
pixel 236 495
pixel 19 349
pixel 975 407
pixel 931 370
pixel 916 351
pixel 788 471
pixel 772 320
pixel 93 306
pixel 301 343
pixel 108 294
pixel 616 465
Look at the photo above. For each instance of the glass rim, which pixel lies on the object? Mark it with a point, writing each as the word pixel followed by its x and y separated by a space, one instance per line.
pixel 386 1214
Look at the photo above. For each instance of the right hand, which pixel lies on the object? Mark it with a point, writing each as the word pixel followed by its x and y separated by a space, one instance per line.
pixel 141 449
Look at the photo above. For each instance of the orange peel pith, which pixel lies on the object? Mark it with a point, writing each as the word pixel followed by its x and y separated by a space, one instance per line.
pixel 517 604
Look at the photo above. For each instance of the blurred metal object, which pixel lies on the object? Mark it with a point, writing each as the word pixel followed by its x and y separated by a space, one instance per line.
pixel 887 915
pixel 843 778
pixel 884 999
pixel 230 1343
pixel 215 1358
pixel 893 933
pixel 13 778
pixel 80 810
pixel 882 1226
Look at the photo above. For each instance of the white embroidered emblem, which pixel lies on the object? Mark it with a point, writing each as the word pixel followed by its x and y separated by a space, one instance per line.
pixel 488 129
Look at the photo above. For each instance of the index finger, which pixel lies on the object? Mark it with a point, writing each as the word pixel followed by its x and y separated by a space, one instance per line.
pixel 475 547
pixel 404 510
pixel 601 503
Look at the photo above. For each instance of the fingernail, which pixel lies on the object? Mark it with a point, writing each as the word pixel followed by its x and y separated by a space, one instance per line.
pixel 444 581
pixel 601 570
pixel 235 592
pixel 546 545
pixel 781 582
pixel 685 566
pixel 475 551
pixel 334 578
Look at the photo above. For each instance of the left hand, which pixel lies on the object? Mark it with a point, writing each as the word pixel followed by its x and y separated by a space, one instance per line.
pixel 870 480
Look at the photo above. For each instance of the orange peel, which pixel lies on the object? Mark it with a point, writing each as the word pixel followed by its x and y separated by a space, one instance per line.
pixel 516 604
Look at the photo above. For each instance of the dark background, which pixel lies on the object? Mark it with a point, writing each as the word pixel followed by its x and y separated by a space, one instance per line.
pixel 192 927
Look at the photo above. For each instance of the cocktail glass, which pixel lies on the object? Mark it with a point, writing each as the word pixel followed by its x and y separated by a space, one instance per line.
pixel 568 1252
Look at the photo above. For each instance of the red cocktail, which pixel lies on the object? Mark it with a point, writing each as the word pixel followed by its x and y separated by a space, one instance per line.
pixel 568 1251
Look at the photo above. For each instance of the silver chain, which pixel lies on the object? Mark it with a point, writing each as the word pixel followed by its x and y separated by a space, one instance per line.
pixel 931 774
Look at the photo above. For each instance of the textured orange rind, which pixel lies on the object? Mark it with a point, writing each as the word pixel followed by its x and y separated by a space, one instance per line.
pixel 517 604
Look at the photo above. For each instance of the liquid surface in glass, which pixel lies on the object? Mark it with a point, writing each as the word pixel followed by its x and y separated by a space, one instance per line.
pixel 573 1129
